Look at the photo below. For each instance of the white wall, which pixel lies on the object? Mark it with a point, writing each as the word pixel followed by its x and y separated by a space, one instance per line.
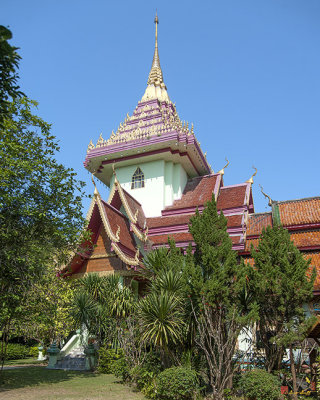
pixel 163 183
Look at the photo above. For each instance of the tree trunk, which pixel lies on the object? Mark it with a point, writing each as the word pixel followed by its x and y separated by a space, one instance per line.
pixel 294 376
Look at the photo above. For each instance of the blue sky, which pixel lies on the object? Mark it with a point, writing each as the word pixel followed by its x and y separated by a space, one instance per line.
pixel 245 72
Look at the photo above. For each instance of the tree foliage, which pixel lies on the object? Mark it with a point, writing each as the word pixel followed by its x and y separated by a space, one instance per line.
pixel 40 199
pixel 216 283
pixel 281 283
pixel 9 63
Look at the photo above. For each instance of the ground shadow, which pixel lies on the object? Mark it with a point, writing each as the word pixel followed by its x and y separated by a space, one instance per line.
pixel 33 376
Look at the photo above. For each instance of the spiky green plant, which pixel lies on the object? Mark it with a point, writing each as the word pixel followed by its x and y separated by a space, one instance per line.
pixel 161 319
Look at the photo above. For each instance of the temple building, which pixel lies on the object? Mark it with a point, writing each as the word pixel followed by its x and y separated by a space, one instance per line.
pixel 158 176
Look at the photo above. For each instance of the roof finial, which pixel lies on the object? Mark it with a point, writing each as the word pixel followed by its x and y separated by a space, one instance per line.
pixel 156 88
pixel 96 193
pixel 255 173
pixel 266 196
pixel 156 21
pixel 222 170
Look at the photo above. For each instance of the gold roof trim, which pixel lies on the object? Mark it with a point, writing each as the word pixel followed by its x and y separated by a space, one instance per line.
pixel 113 237
pixel 143 236
pixel 251 179
pixel 127 260
pixel 266 196
pixel 222 170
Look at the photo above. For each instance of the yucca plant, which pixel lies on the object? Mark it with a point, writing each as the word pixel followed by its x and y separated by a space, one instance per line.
pixel 161 320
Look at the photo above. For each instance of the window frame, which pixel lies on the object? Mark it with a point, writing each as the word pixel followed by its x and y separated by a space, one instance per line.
pixel 137 180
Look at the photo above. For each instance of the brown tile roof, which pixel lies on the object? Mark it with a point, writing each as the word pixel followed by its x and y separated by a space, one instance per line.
pixel 250 242
pixel 231 197
pixel 196 193
pixel 178 237
pixel 256 222
pixel 234 220
pixel 182 237
pixel 298 212
pixel 116 219
pixel 300 239
pixel 315 262
pixel 170 220
pixel 304 239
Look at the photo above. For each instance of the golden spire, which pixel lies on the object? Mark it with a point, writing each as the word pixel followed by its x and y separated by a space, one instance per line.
pixel 156 87
pixel 155 75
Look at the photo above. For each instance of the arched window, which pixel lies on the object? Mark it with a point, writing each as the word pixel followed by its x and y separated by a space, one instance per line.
pixel 137 180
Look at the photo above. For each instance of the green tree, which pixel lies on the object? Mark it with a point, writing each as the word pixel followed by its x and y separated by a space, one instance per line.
pixel 45 314
pixel 216 282
pixel 40 207
pixel 281 284
pixel 40 200
pixel 9 62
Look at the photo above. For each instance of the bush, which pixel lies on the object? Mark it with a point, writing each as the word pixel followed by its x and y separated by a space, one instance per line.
pixel 33 352
pixel 120 369
pixel 177 383
pixel 107 360
pixel 17 351
pixel 258 384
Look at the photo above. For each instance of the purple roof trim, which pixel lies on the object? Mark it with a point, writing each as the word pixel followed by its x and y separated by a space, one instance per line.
pixel 184 228
pixel 132 144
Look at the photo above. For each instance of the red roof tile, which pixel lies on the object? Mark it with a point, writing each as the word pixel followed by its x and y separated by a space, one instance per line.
pixel 182 237
pixel 171 220
pixel 234 220
pixel 256 222
pixel 232 197
pixel 178 237
pixel 250 242
pixel 298 212
pixel 304 239
pixel 315 262
pixel 116 219
pixel 196 193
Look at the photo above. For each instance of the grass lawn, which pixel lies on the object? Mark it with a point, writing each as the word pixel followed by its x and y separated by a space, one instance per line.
pixel 23 361
pixel 39 383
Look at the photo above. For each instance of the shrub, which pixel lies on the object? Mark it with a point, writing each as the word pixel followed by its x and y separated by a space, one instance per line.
pixel 177 383
pixel 258 384
pixel 120 369
pixel 108 358
pixel 17 351
pixel 33 351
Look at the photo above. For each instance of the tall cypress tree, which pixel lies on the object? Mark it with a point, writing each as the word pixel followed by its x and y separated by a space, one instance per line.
pixel 281 284
pixel 217 282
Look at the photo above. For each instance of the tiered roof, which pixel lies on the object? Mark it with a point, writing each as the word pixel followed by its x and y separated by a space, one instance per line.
pixel 234 201
pixel 112 234
pixel 154 131
pixel 301 218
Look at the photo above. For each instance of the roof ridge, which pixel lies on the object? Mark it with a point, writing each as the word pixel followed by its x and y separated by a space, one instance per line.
pixel 133 198
pixel 261 213
pixel 295 200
